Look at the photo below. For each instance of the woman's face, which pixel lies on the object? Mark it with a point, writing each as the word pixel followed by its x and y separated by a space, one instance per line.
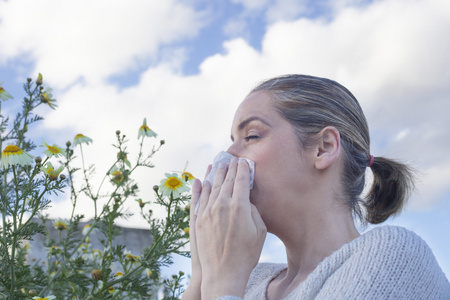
pixel 282 165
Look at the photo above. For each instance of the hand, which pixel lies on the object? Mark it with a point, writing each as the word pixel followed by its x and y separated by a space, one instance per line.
pixel 229 232
pixel 193 291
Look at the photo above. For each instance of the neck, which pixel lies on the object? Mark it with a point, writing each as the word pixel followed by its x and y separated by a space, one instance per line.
pixel 312 237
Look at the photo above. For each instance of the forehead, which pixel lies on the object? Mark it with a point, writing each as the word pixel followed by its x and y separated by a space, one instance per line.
pixel 257 104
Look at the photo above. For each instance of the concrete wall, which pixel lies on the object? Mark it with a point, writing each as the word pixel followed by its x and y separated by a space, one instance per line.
pixel 133 239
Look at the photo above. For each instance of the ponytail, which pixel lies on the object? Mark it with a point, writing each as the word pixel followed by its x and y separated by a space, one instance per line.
pixel 392 185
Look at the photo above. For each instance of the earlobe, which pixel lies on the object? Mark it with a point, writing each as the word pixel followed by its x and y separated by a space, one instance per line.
pixel 328 147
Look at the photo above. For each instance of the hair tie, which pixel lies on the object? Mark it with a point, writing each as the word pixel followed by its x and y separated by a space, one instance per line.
pixel 371 161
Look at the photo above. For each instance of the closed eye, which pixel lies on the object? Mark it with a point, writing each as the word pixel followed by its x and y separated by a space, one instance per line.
pixel 251 137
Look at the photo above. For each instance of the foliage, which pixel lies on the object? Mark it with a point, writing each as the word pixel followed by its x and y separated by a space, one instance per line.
pixel 72 268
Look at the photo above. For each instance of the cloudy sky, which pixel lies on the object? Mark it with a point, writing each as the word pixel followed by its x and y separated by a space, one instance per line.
pixel 186 65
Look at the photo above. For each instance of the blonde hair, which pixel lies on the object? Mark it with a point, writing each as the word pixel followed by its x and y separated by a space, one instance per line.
pixel 311 103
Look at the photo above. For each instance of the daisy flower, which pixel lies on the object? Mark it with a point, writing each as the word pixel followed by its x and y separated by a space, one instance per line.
pixel 81 139
pixel 46 97
pixel 51 297
pixel 61 224
pixel 132 258
pixel 174 185
pixel 4 95
pixel 111 290
pixel 13 155
pixel 149 272
pixel 51 172
pixel 87 228
pixel 118 274
pixel 117 175
pixel 123 156
pixel 54 150
pixel 188 177
pixel 144 130
pixel 54 250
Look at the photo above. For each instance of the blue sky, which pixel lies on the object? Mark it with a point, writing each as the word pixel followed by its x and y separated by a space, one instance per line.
pixel 186 65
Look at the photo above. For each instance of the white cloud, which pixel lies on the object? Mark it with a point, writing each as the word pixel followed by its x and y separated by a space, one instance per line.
pixel 285 10
pixel 91 40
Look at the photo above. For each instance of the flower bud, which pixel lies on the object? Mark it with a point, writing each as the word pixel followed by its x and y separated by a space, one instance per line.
pixel 39 80
pixel 38 160
pixel 68 143
pixel 162 142
pixel 62 176
pixel 186 230
pixel 29 79
pixel 97 274
pixel 155 188
pixel 118 132
pixel 32 293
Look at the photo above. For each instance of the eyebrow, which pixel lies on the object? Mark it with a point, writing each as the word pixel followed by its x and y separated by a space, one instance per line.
pixel 245 122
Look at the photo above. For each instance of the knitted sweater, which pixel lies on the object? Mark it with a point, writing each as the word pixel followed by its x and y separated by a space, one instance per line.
pixel 387 262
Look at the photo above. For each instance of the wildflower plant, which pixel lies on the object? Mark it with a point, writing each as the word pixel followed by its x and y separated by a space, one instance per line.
pixel 73 268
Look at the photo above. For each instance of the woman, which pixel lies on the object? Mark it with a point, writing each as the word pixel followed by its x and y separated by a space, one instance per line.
pixel 309 140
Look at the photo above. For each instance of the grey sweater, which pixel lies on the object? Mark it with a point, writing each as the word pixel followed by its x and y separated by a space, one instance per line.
pixel 387 262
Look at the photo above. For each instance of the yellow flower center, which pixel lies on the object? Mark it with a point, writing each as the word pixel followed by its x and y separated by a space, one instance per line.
pixel 79 136
pixel 173 183
pixel 45 97
pixel 60 226
pixel 117 176
pixel 12 150
pixel 145 127
pixel 1 89
pixel 53 149
pixel 187 176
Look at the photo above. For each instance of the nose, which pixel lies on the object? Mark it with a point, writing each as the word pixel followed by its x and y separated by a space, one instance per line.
pixel 233 150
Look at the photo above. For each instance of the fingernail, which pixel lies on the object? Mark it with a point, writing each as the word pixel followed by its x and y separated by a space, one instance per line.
pixel 233 160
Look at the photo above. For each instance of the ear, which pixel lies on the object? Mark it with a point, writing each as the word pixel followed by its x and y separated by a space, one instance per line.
pixel 328 147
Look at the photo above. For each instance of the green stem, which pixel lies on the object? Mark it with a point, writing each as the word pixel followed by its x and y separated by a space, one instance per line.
pixel 66 259
pixel 152 249
pixel 88 186
pixel 14 241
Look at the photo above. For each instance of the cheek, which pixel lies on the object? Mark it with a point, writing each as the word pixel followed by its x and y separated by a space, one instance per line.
pixel 265 181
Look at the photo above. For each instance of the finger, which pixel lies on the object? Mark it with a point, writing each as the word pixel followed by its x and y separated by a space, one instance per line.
pixel 242 182
pixel 204 197
pixel 226 189
pixel 197 204
pixel 195 200
pixel 208 170
pixel 219 177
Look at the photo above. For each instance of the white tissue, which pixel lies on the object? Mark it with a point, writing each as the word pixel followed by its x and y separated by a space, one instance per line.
pixel 226 157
